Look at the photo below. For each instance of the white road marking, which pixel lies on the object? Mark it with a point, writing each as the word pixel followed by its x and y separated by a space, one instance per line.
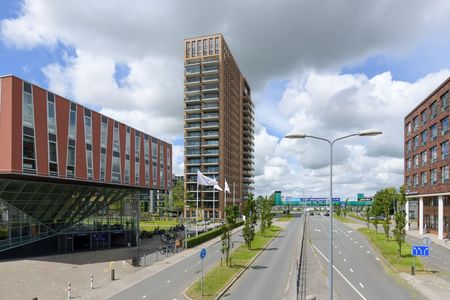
pixel 350 231
pixel 318 230
pixel 334 230
pixel 377 258
pixel 345 260
pixel 361 285
pixel 368 252
pixel 335 247
pixel 185 270
pixel 168 281
pixel 356 242
pixel 351 270
pixel 339 252
pixel 145 296
pixel 351 285
pixel 351 239
pixel 360 246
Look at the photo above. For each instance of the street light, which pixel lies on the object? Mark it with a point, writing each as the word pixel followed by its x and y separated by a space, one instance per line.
pixel 367 132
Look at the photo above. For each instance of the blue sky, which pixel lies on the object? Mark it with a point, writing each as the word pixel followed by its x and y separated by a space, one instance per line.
pixel 138 73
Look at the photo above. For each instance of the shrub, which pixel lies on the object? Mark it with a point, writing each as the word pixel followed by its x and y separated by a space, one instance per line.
pixel 206 236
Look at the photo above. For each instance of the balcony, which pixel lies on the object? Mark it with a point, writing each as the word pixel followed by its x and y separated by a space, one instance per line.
pixel 192 99
pixel 192 108
pixel 209 143
pixel 192 144
pixel 210 116
pixel 210 161
pixel 192 117
pixel 210 134
pixel 210 152
pixel 192 126
pixel 192 70
pixel 210 61
pixel 212 69
pixel 192 90
pixel 194 162
pixel 192 152
pixel 210 125
pixel 210 88
pixel 192 81
pixel 210 79
pixel 210 106
pixel 193 134
pixel 210 97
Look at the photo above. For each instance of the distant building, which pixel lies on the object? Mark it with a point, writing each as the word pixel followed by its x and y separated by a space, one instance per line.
pixel 70 177
pixel 177 178
pixel 218 124
pixel 427 163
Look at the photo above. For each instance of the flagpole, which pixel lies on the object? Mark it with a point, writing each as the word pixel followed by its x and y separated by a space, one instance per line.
pixel 214 204
pixel 234 194
pixel 196 215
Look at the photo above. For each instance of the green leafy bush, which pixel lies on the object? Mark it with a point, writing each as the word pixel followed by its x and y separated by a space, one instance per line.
pixel 206 236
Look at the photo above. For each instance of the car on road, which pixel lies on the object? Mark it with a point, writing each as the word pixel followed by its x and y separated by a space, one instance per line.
pixel 326 214
pixel 311 213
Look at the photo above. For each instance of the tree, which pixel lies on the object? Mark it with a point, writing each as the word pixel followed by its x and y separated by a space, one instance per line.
pixel 400 221
pixel 231 213
pixel 383 204
pixel 265 207
pixel 250 221
pixel 368 213
pixel 178 196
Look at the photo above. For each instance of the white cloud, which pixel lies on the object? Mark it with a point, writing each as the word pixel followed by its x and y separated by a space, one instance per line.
pixel 333 105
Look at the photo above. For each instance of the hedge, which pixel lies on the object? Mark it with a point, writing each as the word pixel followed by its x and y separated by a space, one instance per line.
pixel 206 236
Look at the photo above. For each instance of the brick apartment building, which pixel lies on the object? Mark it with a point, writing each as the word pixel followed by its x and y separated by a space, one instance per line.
pixel 71 178
pixel 427 161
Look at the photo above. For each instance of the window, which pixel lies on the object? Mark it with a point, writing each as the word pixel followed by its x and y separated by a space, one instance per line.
pixel 433 154
pixel 199 48
pixel 88 138
pixel 444 149
pixel 444 174
pixel 73 121
pixel 205 47
pixel 424 158
pixel 127 155
pixel 194 48
pixel 147 160
pixel 416 161
pixel 103 143
pixel 409 145
pixel 408 128
pixel 424 116
pixel 188 49
pixel 433 132
pixel 444 101
pixel 408 164
pixel 424 178
pixel 416 123
pixel 416 180
pixel 433 175
pixel 444 125
pixel 424 137
pixel 433 109
pixel 137 153
pixel 211 46
pixel 51 126
pixel 416 142
pixel 408 181
pixel 28 147
pixel 116 155
pixel 216 43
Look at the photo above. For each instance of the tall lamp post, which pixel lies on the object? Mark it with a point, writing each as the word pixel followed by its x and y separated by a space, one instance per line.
pixel 368 132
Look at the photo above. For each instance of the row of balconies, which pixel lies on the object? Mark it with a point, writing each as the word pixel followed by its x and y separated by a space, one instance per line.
pixel 206 97
pixel 197 107
pixel 197 80
pixel 197 116
pixel 197 69
pixel 204 161
pixel 204 143
pixel 205 152
pixel 198 125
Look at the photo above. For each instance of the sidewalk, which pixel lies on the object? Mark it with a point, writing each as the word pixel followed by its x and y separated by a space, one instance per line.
pixel 433 237
pixel 47 277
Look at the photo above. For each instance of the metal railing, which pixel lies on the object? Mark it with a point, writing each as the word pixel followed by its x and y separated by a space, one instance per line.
pixel 301 268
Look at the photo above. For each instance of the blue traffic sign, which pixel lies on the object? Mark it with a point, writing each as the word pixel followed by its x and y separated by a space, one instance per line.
pixel 420 250
pixel 203 253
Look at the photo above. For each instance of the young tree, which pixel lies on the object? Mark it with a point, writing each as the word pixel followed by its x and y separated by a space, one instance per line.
pixel 178 196
pixel 400 221
pixel 368 213
pixel 265 207
pixel 250 221
pixel 231 213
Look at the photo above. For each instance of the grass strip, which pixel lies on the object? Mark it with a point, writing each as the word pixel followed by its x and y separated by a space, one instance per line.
pixel 163 224
pixel 285 218
pixel 343 219
pixel 219 276
pixel 388 248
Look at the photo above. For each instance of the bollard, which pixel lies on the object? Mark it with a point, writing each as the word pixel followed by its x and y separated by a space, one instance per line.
pixel 145 260
pixel 156 255
pixel 230 262
pixel 112 275
pixel 221 261
pixel 413 270
pixel 92 281
pixel 35 298
pixel 69 291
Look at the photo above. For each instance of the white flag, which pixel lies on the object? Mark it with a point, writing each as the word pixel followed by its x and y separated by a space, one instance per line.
pixel 217 187
pixel 204 180
pixel 227 188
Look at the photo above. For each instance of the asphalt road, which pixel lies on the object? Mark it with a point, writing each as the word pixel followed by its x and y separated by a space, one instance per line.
pixel 268 276
pixel 171 282
pixel 358 273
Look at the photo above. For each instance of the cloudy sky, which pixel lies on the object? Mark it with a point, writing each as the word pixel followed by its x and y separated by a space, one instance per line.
pixel 328 68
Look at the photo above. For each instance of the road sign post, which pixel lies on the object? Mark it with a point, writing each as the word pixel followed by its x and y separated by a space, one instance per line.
pixel 419 250
pixel 202 256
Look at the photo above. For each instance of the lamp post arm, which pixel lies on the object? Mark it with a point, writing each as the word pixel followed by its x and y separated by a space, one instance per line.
pixel 344 137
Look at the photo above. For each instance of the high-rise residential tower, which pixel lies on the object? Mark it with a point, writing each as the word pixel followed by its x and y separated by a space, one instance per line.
pixel 218 125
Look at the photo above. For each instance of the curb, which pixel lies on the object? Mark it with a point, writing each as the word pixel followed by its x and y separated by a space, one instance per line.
pixel 237 276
